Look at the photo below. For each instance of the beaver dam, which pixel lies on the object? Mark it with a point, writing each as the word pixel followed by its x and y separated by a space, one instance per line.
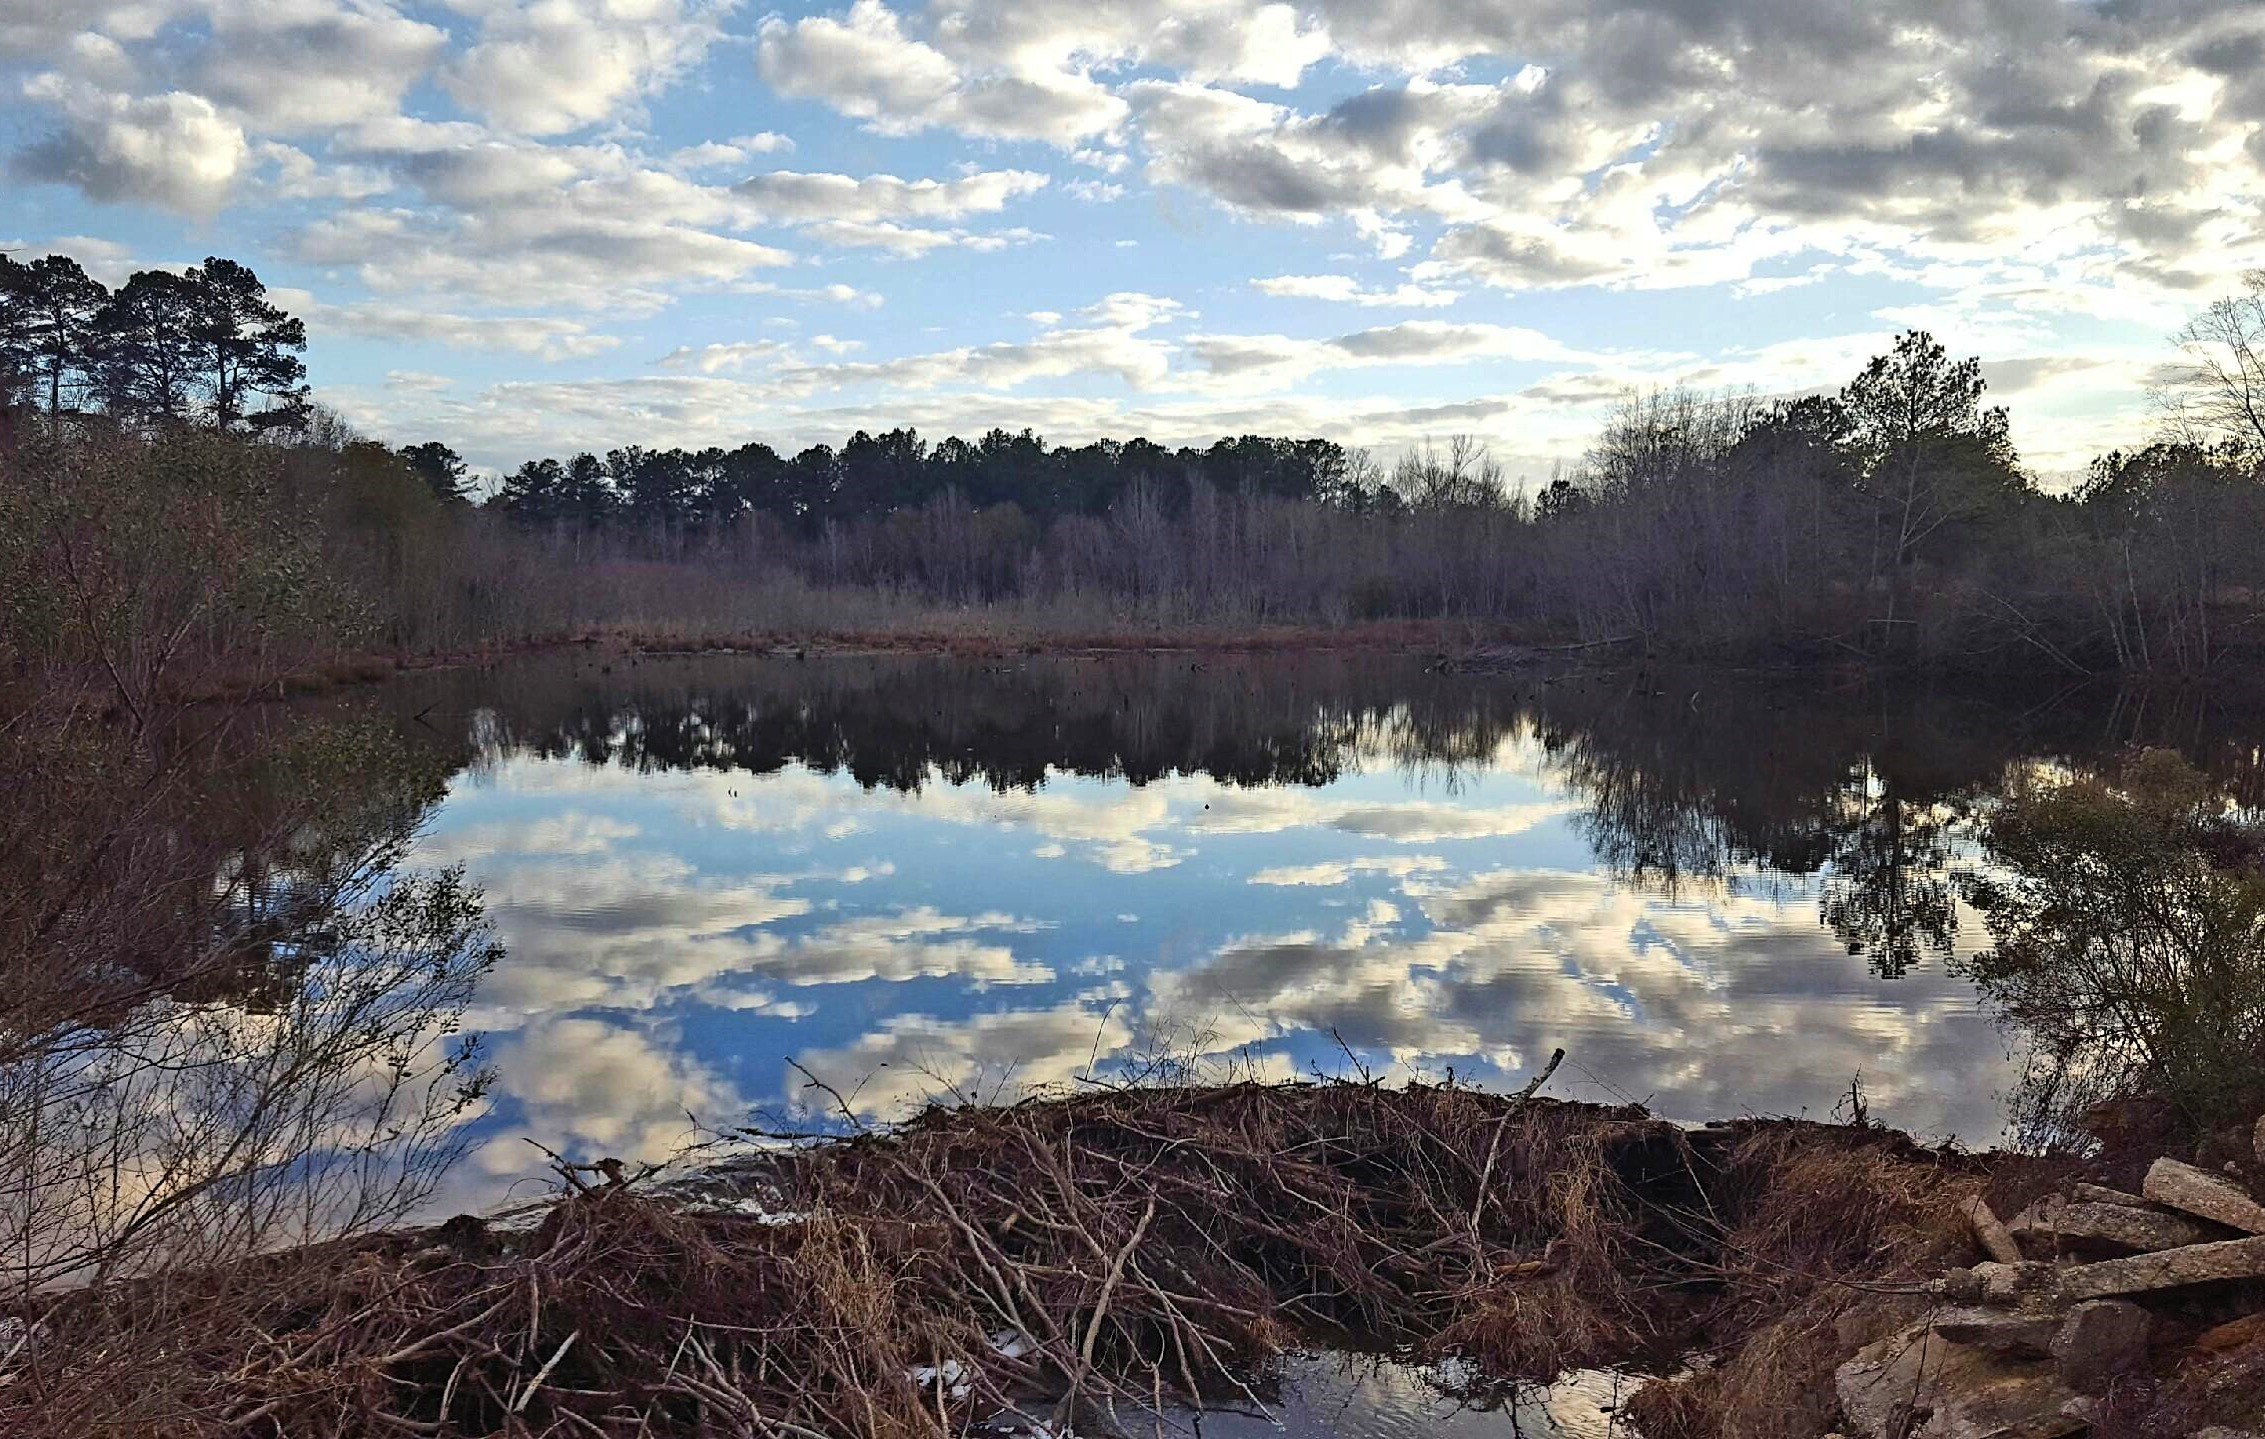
pixel 1076 1263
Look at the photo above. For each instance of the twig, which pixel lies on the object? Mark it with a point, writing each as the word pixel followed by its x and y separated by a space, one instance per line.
pixel 817 1083
pixel 544 1373
pixel 1494 1143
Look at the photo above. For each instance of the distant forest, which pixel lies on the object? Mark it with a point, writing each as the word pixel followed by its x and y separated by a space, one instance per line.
pixel 1890 517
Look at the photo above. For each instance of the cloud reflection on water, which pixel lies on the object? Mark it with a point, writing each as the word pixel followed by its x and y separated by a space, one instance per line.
pixel 675 934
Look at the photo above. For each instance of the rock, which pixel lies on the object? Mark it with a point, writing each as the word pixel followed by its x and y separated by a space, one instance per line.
pixel 2143 1230
pixel 1916 1385
pixel 2197 1191
pixel 1997 1330
pixel 2220 1431
pixel 2099 1340
pixel 2142 1273
pixel 1989 1232
pixel 2036 1214
pixel 2101 1194
pixel 2014 1283
pixel 2237 1334
pixel 1960 1286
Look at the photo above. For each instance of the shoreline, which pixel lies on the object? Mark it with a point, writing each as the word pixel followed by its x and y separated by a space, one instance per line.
pixel 1449 647
pixel 1060 1256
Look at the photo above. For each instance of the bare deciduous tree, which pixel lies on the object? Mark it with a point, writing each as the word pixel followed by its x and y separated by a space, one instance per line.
pixel 2216 393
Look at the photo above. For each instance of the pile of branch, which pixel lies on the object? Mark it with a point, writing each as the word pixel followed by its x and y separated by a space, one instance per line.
pixel 1055 1259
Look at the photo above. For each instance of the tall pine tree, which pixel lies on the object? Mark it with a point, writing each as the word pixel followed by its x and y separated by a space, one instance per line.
pixel 150 350
pixel 250 348
pixel 48 335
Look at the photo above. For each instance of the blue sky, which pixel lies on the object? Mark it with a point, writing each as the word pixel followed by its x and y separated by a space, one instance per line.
pixel 530 228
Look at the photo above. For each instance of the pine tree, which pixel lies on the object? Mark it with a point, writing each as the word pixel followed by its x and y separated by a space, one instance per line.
pixel 48 310
pixel 249 347
pixel 440 467
pixel 150 355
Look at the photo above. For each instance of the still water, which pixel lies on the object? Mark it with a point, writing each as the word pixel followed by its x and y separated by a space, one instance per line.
pixel 921 879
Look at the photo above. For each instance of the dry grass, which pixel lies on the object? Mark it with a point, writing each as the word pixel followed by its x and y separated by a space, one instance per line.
pixel 1823 1226
pixel 1140 1243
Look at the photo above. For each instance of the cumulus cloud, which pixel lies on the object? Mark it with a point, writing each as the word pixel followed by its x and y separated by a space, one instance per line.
pixel 546 337
pixel 866 66
pixel 592 1088
pixel 588 260
pixel 1330 873
pixel 916 1059
pixel 175 150
pixel 1279 359
pixel 300 65
pixel 710 359
pixel 1109 338
pixel 1649 993
pixel 791 195
pixel 560 65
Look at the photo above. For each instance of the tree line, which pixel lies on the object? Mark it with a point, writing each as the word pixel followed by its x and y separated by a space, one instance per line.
pixel 204 346
pixel 1892 515
pixel 876 475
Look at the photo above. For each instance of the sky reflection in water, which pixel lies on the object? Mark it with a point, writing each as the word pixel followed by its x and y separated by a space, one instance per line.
pixel 1477 874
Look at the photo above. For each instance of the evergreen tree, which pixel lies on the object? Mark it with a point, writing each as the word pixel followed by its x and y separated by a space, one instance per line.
pixel 49 333
pixel 15 333
pixel 1930 454
pixel 440 467
pixel 249 346
pixel 584 490
pixel 534 492
pixel 149 351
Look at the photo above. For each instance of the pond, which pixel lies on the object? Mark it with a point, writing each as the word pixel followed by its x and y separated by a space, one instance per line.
pixel 732 887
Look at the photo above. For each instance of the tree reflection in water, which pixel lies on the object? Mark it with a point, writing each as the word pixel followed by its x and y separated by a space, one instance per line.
pixel 2127 912
pixel 227 1015
pixel 1684 779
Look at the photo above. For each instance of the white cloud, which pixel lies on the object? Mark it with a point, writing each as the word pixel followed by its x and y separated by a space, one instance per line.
pixel 711 359
pixel 175 150
pixel 1279 359
pixel 558 65
pixel 301 65
pixel 1345 290
pixel 914 1059
pixel 795 196
pixel 546 337
pixel 863 64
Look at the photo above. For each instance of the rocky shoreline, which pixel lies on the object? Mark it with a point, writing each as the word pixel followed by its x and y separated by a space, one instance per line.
pixel 2078 1289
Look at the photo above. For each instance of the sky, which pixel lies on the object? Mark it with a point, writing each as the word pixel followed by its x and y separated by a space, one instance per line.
pixel 532 228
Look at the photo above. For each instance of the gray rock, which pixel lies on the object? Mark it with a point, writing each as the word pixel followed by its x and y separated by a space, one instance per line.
pixel 2014 1283
pixel 2171 1269
pixel 2141 1230
pixel 2102 1194
pixel 2220 1431
pixel 2198 1191
pixel 1991 1234
pixel 1997 1330
pixel 2100 1339
pixel 2033 1214
pixel 1917 1385
pixel 1960 1286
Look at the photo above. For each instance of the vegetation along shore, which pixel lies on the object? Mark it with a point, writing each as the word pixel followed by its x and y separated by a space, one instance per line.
pixel 1886 521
